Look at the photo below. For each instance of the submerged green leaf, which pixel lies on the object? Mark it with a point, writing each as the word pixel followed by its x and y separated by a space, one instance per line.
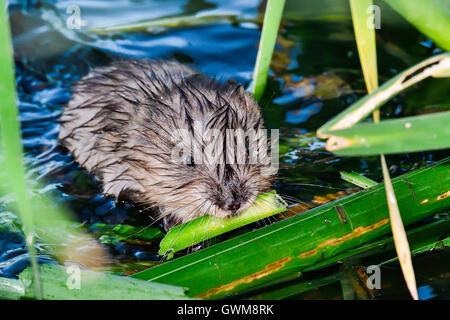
pixel 432 17
pixel 71 282
pixel 431 67
pixel 295 244
pixel 123 232
pixel 272 19
pixel 409 134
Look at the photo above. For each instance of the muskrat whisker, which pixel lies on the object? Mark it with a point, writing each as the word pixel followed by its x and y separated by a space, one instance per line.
pixel 316 185
pixel 143 228
pixel 195 210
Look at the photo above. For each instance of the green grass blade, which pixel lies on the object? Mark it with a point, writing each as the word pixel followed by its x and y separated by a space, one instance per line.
pixel 64 237
pixel 11 138
pixel 60 283
pixel 358 179
pixel 441 243
pixel 272 19
pixel 432 17
pixel 365 38
pixel 206 227
pixel 409 134
pixel 419 237
pixel 114 234
pixel 365 41
pixel 168 22
pixel 426 246
pixel 434 66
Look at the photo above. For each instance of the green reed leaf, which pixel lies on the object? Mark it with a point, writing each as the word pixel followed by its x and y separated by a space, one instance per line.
pixel 358 179
pixel 431 17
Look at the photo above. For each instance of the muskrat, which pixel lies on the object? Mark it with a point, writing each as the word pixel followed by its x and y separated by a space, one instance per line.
pixel 125 120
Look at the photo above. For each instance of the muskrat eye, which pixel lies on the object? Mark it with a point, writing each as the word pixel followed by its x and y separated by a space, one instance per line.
pixel 190 161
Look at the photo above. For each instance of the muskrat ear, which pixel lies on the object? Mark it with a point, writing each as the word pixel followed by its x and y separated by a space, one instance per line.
pixel 190 161
pixel 123 196
pixel 240 95
pixel 232 82
pixel 170 222
pixel 239 90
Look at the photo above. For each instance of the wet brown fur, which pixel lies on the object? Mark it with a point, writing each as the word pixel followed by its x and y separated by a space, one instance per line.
pixel 120 125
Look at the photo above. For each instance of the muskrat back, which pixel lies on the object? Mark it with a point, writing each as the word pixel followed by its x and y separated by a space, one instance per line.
pixel 132 122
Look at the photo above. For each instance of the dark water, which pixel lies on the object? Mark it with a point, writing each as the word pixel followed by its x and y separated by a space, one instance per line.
pixel 315 75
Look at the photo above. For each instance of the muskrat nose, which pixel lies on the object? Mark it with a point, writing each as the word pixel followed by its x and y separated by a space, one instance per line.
pixel 234 206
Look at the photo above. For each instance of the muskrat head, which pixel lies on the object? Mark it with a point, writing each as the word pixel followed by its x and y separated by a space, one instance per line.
pixel 214 156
